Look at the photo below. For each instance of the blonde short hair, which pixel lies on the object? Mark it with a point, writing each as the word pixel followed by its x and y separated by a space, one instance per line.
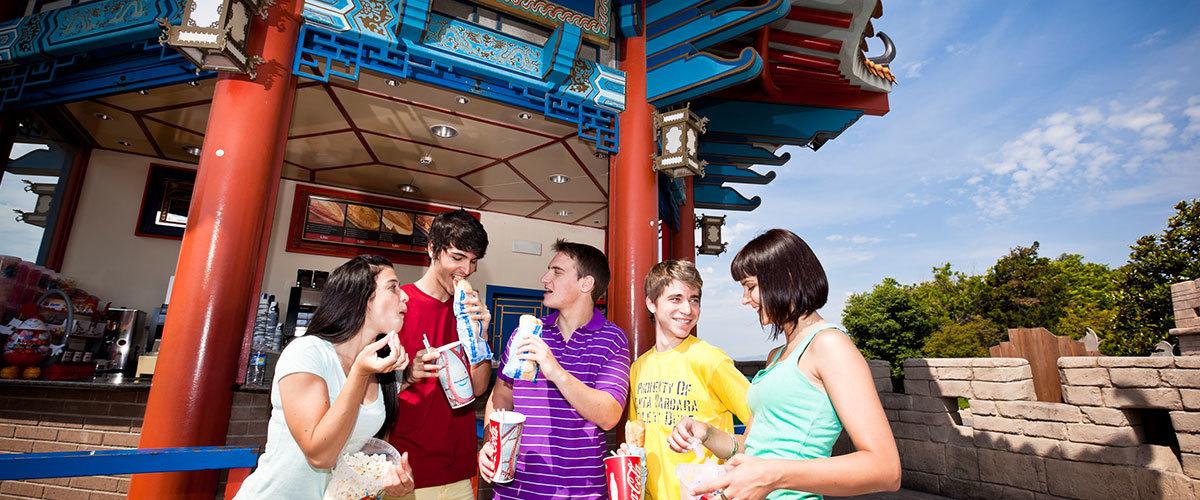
pixel 663 273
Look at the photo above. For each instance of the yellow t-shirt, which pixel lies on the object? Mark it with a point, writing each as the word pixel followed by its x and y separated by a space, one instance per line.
pixel 695 379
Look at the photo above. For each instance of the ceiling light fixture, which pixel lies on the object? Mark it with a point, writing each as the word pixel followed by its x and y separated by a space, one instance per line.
pixel 426 159
pixel 564 213
pixel 524 116
pixel 408 188
pixel 125 143
pixel 392 83
pixel 559 178
pixel 144 92
pixel 102 116
pixel 443 131
pixel 462 100
pixel 600 155
pixel 194 83
pixel 595 221
pixel 192 150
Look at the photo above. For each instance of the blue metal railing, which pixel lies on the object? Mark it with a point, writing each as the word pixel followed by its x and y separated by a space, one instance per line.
pixel 138 461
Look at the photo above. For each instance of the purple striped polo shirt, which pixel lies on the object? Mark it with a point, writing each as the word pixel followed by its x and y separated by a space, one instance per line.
pixel 562 453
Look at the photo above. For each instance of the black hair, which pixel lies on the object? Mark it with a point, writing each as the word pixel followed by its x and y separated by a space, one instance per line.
pixel 342 312
pixel 460 230
pixel 589 261
pixel 791 281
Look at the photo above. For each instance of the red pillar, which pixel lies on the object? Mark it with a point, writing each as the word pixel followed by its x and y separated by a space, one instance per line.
pixel 190 399
pixel 683 241
pixel 633 204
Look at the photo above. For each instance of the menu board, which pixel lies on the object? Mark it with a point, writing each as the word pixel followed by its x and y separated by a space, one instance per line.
pixel 353 223
pixel 332 222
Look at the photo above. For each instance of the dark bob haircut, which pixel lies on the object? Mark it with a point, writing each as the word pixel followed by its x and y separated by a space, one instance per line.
pixel 460 230
pixel 589 261
pixel 791 281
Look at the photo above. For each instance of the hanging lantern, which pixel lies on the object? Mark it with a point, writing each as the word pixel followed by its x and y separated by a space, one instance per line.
pixel 214 33
pixel 710 235
pixel 679 139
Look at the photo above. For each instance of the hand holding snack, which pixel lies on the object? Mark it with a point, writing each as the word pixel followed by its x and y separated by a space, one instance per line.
pixel 531 348
pixel 401 483
pixel 369 362
pixel 687 435
pixel 517 366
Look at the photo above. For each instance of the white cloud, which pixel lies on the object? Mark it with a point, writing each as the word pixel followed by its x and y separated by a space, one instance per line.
pixel 908 235
pixel 912 70
pixel 856 239
pixel 1151 39
pixel 1192 112
pixel 960 48
pixel 1077 148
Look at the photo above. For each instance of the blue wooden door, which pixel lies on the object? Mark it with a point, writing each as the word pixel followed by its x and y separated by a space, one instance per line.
pixel 507 305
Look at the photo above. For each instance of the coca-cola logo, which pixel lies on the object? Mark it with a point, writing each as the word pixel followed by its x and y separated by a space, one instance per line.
pixel 633 478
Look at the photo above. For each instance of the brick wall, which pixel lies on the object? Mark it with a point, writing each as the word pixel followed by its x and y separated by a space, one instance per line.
pixel 46 419
pixel 1130 428
pixel 1185 299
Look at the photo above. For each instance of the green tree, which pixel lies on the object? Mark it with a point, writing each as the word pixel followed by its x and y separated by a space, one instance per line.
pixel 1086 283
pixel 1079 318
pixel 1023 290
pixel 1156 261
pixel 967 340
pixel 951 296
pixel 888 323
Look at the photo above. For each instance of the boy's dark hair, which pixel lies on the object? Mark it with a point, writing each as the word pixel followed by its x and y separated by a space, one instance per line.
pixel 663 273
pixel 589 261
pixel 791 281
pixel 460 230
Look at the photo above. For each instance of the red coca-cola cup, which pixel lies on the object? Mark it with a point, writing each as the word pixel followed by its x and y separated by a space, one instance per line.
pixel 624 476
pixel 504 432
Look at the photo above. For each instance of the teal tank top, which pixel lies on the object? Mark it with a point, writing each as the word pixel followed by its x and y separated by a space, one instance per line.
pixel 793 419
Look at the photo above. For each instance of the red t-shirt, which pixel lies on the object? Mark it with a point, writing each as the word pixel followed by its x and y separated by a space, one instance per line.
pixel 440 441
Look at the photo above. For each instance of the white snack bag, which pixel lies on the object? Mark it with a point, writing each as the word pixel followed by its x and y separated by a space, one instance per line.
pixel 362 470
pixel 470 332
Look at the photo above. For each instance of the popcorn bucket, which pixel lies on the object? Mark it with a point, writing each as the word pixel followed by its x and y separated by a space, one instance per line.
pixel 624 476
pixel 362 470
pixel 455 375
pixel 504 432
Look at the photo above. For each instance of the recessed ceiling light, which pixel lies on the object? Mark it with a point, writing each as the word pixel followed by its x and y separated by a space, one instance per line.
pixel 192 150
pixel 102 116
pixel 559 178
pixel 595 221
pixel 443 131
pixel 564 213
pixel 194 83
pixel 462 100
pixel 426 159
pixel 144 92
pixel 600 155
pixel 124 142
pixel 524 116
pixel 392 83
pixel 408 188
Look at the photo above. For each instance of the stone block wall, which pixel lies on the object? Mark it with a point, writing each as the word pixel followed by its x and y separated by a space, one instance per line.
pixel 35 419
pixel 1130 428
pixel 1185 298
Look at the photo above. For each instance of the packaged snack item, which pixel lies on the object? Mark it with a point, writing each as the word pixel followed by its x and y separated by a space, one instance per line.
pixel 517 368
pixel 470 332
pixel 692 475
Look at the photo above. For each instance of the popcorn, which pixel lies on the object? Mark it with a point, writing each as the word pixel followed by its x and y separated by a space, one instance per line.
pixel 363 473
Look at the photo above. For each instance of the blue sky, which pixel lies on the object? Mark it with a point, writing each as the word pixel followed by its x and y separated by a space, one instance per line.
pixel 1075 124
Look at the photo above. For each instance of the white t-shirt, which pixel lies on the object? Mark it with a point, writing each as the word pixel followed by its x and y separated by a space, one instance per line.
pixel 282 471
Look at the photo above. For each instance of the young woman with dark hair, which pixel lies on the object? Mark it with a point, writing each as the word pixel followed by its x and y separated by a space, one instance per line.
pixel 335 384
pixel 813 387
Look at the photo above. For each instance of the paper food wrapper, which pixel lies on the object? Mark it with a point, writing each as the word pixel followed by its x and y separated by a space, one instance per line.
pixel 516 368
pixel 470 332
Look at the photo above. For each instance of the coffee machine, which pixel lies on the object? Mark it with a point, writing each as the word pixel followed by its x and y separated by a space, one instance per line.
pixel 124 339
